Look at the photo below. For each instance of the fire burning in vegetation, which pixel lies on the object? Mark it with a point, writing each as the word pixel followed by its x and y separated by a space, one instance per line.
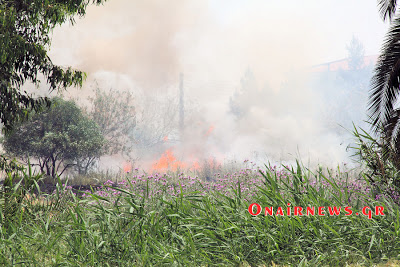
pixel 192 157
pixel 127 167
pixel 168 161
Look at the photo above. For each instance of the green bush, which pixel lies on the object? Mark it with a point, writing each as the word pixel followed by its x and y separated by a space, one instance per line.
pixel 58 139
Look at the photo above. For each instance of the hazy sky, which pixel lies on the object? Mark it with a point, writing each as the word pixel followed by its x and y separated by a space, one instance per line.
pixel 154 40
pixel 147 43
pixel 328 23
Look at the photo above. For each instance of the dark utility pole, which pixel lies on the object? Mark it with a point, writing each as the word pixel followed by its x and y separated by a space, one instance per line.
pixel 181 106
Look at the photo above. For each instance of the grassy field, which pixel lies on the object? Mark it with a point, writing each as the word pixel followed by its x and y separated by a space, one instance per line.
pixel 183 219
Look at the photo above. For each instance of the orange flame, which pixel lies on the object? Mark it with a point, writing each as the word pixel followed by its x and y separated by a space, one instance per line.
pixel 210 130
pixel 168 161
pixel 195 166
pixel 165 139
pixel 127 167
pixel 213 163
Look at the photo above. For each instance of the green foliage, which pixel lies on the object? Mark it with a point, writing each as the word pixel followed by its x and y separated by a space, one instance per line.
pixel 209 230
pixel 19 182
pixel 385 82
pixel 115 115
pixel 59 138
pixel 382 161
pixel 384 116
pixel 25 28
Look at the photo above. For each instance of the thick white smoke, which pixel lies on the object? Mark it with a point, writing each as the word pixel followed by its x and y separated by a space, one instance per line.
pixel 143 46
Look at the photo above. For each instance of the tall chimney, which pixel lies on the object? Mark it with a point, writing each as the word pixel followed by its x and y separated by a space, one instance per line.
pixel 181 106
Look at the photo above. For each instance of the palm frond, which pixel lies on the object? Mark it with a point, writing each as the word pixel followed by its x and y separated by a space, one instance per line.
pixel 385 82
pixel 387 8
pixel 391 129
pixel 390 142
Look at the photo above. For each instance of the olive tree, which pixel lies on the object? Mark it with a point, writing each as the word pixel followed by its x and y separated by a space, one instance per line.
pixel 58 139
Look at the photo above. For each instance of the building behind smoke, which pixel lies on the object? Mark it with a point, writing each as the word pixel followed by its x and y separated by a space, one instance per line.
pixel 343 64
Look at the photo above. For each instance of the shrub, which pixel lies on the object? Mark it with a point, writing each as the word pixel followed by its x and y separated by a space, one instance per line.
pixel 59 138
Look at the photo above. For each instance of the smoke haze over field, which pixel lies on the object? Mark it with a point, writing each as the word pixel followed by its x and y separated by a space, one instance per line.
pixel 145 45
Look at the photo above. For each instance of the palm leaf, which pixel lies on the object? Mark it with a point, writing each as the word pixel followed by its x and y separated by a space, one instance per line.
pixel 391 129
pixel 387 8
pixel 385 82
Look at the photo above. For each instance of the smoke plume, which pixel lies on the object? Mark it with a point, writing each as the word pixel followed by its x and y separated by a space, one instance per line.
pixel 252 58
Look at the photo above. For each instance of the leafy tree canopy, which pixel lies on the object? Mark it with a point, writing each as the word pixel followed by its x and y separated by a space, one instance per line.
pixel 59 138
pixel 25 28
